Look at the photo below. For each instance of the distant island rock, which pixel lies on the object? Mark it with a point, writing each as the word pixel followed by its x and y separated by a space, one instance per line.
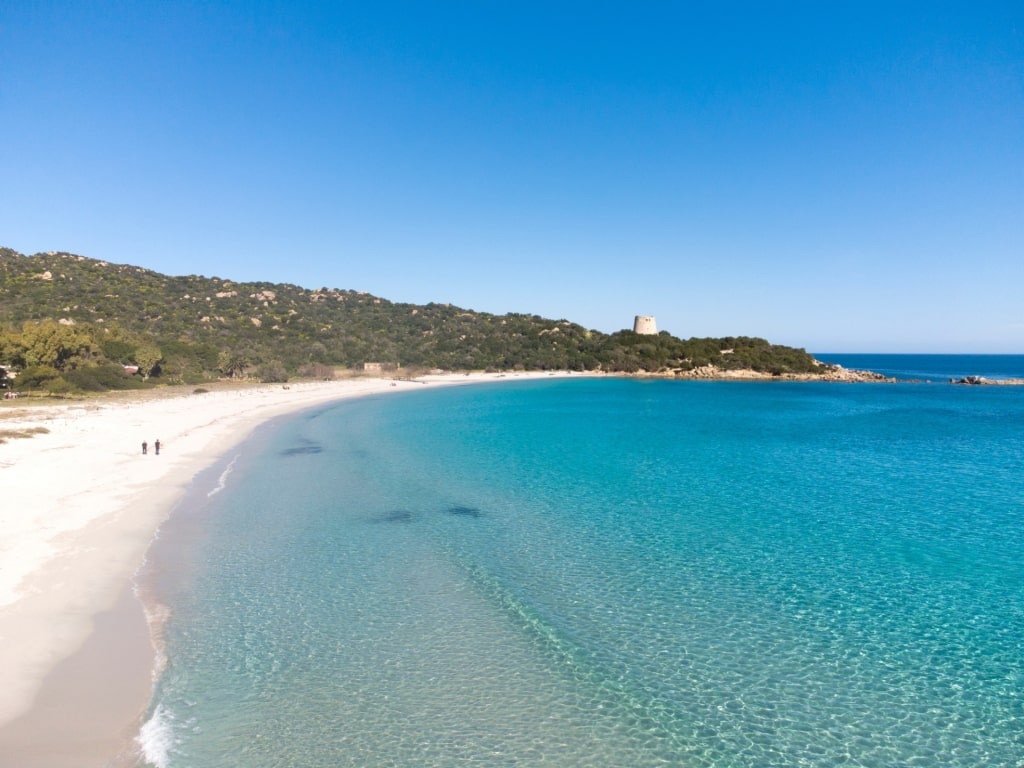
pixel 983 381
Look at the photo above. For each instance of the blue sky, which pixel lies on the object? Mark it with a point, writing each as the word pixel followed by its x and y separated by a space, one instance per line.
pixel 833 176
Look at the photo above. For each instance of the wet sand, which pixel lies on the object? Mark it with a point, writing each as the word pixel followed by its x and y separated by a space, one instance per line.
pixel 89 702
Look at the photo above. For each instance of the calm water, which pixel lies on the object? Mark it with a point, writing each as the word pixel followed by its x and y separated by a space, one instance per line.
pixel 933 368
pixel 605 573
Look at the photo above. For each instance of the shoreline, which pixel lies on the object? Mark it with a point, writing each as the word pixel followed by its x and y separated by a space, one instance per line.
pixel 81 507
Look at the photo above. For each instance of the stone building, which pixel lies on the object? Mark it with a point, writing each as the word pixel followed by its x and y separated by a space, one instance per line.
pixel 645 324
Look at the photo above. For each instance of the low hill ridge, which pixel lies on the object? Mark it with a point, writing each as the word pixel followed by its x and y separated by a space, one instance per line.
pixel 208 326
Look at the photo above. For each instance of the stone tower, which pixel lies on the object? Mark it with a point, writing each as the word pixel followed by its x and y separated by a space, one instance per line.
pixel 645 325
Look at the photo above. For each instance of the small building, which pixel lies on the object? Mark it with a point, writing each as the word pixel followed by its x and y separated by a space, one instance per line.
pixel 378 367
pixel 645 325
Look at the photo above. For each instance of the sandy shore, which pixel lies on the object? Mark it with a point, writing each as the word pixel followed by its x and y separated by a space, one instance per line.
pixel 80 506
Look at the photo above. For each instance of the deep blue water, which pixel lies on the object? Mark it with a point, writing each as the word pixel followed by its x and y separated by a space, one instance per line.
pixel 932 368
pixel 594 572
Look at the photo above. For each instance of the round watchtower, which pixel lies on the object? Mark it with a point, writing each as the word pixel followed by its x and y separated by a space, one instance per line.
pixel 645 324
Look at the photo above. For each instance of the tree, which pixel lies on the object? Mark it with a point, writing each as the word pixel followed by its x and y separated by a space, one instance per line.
pixel 232 364
pixel 51 344
pixel 118 350
pixel 147 357
pixel 11 350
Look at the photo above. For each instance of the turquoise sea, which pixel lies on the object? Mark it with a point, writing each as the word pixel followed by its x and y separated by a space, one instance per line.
pixel 615 572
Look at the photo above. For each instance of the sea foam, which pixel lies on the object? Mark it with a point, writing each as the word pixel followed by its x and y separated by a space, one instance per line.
pixel 222 481
pixel 156 738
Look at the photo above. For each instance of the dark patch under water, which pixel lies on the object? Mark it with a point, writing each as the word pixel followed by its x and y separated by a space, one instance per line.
pixel 395 516
pixel 302 450
pixel 464 511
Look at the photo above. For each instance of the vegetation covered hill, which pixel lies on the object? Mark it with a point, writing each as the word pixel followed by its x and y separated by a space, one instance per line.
pixel 76 321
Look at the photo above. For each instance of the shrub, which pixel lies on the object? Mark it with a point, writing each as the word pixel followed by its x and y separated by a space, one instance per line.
pixel 59 386
pixel 36 377
pixel 102 377
pixel 272 373
pixel 318 371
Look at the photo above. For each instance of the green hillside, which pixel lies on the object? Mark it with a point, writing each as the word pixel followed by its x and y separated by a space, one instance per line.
pixel 80 319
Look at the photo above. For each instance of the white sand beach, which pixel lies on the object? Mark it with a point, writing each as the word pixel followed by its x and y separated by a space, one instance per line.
pixel 79 508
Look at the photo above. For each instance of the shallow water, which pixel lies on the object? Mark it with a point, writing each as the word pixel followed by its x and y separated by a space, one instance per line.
pixel 605 573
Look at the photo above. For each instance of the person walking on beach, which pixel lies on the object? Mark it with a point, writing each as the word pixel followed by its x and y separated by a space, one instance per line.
pixel 157 446
pixel 144 446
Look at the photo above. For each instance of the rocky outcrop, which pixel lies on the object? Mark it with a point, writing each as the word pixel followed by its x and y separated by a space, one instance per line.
pixel 838 373
pixel 834 373
pixel 982 381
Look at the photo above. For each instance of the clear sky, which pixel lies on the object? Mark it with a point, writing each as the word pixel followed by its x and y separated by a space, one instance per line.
pixel 838 176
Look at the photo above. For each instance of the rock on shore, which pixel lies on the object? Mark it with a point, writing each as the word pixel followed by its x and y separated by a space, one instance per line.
pixel 828 373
